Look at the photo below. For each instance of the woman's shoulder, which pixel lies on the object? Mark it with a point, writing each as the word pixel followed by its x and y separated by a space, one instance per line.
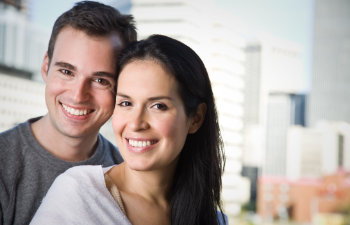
pixel 223 220
pixel 82 169
pixel 76 184
pixel 80 175
pixel 77 196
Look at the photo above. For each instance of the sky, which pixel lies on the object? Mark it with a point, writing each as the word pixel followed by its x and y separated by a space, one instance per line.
pixel 287 19
pixel 45 12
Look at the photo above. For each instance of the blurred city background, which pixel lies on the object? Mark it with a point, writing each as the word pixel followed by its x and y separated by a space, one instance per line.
pixel 280 71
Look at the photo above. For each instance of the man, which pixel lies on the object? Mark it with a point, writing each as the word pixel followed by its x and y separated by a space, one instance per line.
pixel 79 70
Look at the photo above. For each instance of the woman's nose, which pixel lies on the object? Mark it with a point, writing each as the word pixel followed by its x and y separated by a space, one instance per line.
pixel 138 120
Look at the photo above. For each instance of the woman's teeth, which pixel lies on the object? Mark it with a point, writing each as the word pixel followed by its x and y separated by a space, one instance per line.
pixel 135 143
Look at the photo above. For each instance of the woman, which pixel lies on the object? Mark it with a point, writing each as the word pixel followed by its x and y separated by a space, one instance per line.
pixel 167 131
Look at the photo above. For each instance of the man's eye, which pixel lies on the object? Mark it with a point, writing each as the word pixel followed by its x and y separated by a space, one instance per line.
pixel 103 82
pixel 160 106
pixel 66 72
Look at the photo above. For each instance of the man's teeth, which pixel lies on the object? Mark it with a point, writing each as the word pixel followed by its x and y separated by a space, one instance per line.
pixel 139 143
pixel 75 112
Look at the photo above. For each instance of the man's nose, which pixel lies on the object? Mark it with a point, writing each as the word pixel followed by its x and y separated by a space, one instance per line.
pixel 81 90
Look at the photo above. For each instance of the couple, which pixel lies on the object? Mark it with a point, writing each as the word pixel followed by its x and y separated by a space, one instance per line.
pixel 164 120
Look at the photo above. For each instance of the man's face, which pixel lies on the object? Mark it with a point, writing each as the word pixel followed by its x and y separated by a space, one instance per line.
pixel 80 83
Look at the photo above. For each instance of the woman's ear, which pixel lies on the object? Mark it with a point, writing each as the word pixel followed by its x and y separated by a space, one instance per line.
pixel 45 67
pixel 198 118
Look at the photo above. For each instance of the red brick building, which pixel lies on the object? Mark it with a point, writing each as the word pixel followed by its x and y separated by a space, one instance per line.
pixel 300 200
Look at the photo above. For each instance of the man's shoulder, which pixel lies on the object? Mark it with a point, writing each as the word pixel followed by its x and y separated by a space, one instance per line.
pixel 13 135
pixel 12 131
pixel 22 128
pixel 14 138
pixel 106 142
pixel 14 145
pixel 110 150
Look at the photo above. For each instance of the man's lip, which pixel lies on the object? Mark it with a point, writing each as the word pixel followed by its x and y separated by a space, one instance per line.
pixel 76 113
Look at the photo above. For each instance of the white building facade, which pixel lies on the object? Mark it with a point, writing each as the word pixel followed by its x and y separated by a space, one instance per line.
pixel 22 43
pixel 274 86
pixel 318 151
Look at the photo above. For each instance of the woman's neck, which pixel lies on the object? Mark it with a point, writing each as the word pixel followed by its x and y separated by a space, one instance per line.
pixel 153 186
pixel 145 194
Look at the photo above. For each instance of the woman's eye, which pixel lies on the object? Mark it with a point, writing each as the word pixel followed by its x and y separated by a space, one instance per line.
pixel 124 103
pixel 160 106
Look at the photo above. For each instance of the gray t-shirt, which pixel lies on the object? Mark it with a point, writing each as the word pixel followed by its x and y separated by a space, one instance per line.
pixel 27 171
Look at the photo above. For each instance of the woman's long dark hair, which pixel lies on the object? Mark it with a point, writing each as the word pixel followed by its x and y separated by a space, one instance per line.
pixel 195 197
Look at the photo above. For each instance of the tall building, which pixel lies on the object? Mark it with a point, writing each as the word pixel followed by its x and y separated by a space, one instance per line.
pixel 284 110
pixel 221 48
pixel 274 100
pixel 331 65
pixel 22 43
pixel 20 5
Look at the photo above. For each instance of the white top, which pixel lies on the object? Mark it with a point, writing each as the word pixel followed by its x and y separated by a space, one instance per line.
pixel 79 196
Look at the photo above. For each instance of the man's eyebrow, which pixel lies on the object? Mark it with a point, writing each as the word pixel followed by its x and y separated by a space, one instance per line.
pixel 65 65
pixel 104 74
pixel 73 68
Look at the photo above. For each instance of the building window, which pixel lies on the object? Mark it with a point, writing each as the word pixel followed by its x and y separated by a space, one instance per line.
pixel 340 150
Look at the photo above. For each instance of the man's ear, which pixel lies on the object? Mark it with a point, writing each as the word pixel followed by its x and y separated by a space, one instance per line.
pixel 45 67
pixel 198 118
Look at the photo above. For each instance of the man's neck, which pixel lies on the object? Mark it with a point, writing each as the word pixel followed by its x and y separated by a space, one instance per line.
pixel 61 146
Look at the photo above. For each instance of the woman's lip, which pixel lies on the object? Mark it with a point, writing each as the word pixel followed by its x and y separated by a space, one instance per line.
pixel 140 145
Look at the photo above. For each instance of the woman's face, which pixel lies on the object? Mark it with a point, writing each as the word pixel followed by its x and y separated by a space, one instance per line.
pixel 149 119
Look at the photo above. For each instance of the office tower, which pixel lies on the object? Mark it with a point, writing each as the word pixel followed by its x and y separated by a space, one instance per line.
pixel 20 5
pixel 331 65
pixel 22 44
pixel 274 100
pixel 220 46
pixel 284 110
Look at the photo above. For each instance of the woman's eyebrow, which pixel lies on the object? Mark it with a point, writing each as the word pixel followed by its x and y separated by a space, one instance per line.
pixel 160 98
pixel 122 95
pixel 155 98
